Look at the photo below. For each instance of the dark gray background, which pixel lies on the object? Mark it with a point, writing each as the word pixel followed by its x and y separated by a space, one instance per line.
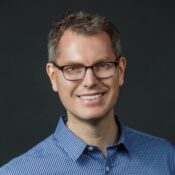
pixel 29 109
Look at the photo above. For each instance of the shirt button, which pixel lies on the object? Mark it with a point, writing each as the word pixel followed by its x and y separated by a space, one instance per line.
pixel 90 148
pixel 107 168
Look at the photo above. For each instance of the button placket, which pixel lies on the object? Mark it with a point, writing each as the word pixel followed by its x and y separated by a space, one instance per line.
pixel 107 169
pixel 90 148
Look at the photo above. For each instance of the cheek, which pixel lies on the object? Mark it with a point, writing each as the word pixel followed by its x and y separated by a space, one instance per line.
pixel 66 90
pixel 65 95
pixel 112 84
pixel 113 87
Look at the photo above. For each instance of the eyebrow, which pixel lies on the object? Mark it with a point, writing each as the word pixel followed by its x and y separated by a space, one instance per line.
pixel 100 60
pixel 104 59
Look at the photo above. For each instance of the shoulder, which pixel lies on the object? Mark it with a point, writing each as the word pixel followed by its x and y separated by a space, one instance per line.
pixel 37 159
pixel 149 144
pixel 139 138
pixel 144 138
pixel 151 150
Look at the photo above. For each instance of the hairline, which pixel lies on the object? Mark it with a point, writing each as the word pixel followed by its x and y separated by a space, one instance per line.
pixel 55 50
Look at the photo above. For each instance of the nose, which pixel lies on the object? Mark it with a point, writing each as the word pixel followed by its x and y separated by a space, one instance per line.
pixel 89 79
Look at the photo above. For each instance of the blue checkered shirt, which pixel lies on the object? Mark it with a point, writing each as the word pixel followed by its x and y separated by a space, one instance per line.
pixel 63 153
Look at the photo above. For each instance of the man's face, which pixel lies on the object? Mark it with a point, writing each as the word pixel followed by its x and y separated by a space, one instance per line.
pixel 90 98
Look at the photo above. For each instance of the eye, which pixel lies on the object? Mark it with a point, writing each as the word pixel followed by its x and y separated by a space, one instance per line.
pixel 104 66
pixel 73 69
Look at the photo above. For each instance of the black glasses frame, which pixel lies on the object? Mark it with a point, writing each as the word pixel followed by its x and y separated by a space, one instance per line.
pixel 116 62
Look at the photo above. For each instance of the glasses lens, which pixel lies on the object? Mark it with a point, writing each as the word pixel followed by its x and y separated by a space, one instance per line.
pixel 74 72
pixel 104 70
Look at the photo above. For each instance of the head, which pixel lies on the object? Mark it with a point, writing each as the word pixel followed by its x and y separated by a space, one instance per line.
pixel 85 39
pixel 82 23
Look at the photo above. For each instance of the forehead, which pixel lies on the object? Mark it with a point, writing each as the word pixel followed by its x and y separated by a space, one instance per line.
pixel 79 47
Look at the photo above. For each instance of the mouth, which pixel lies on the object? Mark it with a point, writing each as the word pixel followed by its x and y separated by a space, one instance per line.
pixel 91 98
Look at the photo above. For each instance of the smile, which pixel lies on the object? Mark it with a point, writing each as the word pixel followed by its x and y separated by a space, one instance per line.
pixel 90 97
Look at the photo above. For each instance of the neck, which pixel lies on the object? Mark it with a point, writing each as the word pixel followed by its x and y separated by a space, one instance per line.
pixel 101 133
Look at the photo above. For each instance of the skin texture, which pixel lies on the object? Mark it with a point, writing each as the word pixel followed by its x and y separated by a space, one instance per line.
pixel 91 120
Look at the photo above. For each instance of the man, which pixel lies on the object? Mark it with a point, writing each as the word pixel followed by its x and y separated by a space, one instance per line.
pixel 86 69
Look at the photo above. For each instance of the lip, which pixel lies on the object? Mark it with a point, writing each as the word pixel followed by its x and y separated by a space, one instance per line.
pixel 91 98
pixel 92 94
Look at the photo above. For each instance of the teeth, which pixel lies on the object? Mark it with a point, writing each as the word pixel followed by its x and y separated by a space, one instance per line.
pixel 90 97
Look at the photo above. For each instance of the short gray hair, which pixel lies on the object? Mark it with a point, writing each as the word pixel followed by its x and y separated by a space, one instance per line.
pixel 82 23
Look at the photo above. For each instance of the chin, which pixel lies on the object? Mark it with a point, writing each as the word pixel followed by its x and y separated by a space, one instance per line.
pixel 92 117
pixel 93 120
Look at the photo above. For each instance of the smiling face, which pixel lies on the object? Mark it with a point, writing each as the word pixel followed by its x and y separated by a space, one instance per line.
pixel 88 99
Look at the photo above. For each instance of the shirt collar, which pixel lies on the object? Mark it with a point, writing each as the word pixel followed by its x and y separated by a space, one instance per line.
pixel 124 137
pixel 74 146
pixel 71 143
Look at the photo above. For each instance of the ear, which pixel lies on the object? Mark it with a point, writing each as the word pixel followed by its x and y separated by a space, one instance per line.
pixel 51 72
pixel 121 67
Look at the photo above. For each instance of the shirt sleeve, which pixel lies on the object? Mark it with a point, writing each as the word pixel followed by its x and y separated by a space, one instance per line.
pixel 3 172
pixel 171 161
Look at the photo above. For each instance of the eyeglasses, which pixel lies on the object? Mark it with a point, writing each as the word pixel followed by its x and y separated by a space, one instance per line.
pixel 100 70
